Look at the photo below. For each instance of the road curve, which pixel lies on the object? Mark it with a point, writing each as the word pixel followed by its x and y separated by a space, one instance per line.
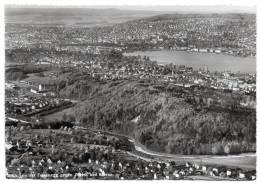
pixel 144 150
pixel 244 160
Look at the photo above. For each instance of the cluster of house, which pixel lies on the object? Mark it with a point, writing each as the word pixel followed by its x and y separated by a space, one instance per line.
pixel 85 166
pixel 50 159
pixel 42 91
pixel 234 84
pixel 89 164
pixel 27 105
pixel 51 74
pixel 9 85
pixel 188 33
pixel 178 74
pixel 181 76
pixel 88 48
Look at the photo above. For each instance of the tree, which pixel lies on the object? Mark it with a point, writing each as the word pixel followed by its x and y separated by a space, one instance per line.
pixel 227 149
pixel 217 148
pixel 64 117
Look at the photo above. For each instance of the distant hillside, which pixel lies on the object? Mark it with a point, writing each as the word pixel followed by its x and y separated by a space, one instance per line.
pixel 72 16
pixel 167 17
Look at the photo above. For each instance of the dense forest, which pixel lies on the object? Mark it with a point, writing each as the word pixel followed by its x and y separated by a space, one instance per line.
pixel 161 116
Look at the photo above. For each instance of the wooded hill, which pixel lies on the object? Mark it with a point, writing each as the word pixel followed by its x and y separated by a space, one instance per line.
pixel 165 118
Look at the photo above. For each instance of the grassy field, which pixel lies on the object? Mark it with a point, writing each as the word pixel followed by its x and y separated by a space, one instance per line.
pixel 245 161
pixel 37 79
pixel 59 115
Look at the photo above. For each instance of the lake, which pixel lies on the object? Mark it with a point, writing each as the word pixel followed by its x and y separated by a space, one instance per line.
pixel 214 62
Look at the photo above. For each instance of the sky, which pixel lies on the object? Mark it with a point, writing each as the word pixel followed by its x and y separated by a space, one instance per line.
pixel 216 6
pixel 188 8
pixel 161 8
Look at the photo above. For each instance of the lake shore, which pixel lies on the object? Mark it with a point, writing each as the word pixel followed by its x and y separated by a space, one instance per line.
pixel 199 60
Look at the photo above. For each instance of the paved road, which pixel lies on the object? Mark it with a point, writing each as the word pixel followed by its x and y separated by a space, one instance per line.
pixel 17 120
pixel 244 160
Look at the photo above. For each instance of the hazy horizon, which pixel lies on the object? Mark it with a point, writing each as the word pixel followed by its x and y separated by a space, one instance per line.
pixel 162 9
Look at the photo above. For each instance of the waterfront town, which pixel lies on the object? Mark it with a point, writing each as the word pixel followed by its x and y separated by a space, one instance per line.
pixel 47 65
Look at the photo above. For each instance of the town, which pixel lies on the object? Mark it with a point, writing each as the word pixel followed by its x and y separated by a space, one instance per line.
pixel 29 100
pixel 100 67
pixel 197 33
pixel 43 150
pixel 67 116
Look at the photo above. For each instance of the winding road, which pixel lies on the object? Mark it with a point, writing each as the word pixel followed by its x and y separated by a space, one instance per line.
pixel 245 160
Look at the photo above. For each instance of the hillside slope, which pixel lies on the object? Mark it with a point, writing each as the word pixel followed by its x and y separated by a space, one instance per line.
pixel 163 119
